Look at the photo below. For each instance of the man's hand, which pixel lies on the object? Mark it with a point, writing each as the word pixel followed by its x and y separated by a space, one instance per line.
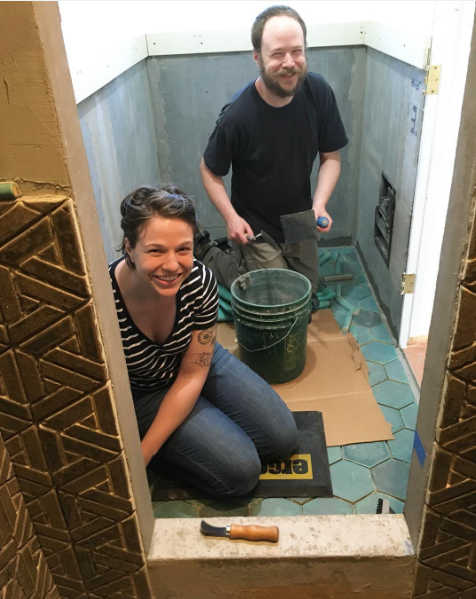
pixel 320 211
pixel 238 229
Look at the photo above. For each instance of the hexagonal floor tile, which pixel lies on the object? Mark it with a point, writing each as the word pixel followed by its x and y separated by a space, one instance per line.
pixel 392 394
pixel 381 333
pixel 327 269
pixel 367 454
pixel 351 481
pixel 361 334
pixel 351 268
pixel 299 500
pixel 357 292
pixel 402 445
pixel 393 417
pixel 276 507
pixel 360 279
pixel 369 504
pixel 224 507
pixel 368 319
pixel 349 256
pixel 327 506
pixel 175 509
pixel 377 373
pixel 369 304
pixel 396 371
pixel 334 454
pixel 379 352
pixel 391 477
pixel 409 416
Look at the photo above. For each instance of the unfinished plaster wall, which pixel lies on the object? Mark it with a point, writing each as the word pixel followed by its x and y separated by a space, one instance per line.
pixel 188 93
pixel 440 508
pixel 119 136
pixel 390 144
pixel 63 376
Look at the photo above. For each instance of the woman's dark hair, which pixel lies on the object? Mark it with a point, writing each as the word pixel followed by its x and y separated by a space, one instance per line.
pixel 268 13
pixel 168 201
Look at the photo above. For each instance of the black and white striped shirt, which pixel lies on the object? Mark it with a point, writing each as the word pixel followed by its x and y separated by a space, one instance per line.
pixel 154 366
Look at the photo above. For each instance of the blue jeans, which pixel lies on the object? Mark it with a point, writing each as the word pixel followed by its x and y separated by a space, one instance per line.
pixel 237 420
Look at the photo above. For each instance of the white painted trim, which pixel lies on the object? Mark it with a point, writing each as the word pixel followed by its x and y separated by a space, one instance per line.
pixel 91 75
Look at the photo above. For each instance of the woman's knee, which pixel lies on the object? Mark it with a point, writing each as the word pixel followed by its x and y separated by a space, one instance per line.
pixel 241 475
pixel 285 438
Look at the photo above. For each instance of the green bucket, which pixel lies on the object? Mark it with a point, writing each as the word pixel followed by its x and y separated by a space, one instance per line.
pixel 271 309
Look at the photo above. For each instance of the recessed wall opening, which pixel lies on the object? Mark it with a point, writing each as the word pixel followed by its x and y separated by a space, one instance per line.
pixel 376 91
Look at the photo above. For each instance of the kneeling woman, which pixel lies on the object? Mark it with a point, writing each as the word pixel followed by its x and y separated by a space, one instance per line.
pixel 207 415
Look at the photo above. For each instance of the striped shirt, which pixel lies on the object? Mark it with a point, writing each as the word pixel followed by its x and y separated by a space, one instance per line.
pixel 154 366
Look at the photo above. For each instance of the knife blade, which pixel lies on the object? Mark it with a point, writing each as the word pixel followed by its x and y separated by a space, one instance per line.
pixel 251 532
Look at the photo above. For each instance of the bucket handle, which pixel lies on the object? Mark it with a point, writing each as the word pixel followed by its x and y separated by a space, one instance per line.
pixel 272 344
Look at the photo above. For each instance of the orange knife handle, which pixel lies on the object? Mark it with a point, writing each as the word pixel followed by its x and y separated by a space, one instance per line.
pixel 254 532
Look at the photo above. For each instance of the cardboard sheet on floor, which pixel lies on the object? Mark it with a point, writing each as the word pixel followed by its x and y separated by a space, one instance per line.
pixel 304 474
pixel 334 382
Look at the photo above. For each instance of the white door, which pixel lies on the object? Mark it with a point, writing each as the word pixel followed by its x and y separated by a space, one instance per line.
pixel 451 38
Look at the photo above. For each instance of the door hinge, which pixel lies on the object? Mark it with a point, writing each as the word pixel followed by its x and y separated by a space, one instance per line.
pixel 408 283
pixel 432 79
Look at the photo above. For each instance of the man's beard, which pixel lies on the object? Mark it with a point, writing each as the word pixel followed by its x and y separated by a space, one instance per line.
pixel 275 87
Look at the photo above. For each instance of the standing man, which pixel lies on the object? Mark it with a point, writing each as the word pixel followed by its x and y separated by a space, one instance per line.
pixel 270 134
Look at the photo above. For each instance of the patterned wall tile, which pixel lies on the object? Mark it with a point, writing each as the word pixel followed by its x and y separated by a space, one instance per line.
pixel 56 411
pixel 24 572
pixel 447 558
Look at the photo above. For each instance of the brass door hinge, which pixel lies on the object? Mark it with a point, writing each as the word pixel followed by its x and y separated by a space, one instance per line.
pixel 408 283
pixel 432 79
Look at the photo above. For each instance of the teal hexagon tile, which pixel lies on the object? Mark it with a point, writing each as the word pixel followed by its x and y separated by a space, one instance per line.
pixel 368 319
pixel 348 249
pixel 409 416
pixel 351 481
pixel 351 268
pixel 225 507
pixel 367 454
pixel 361 334
pixel 402 445
pixel 396 372
pixel 379 352
pixel 327 269
pixel 339 313
pixel 334 454
pixel 327 506
pixel 381 333
pixel 276 507
pixel 369 303
pixel 368 505
pixel 391 477
pixel 357 292
pixel 175 509
pixel 360 279
pixel 299 500
pixel 392 394
pixel 393 417
pixel 349 256
pixel 377 373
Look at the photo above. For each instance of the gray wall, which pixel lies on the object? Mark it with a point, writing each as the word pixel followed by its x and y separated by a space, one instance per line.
pixel 189 91
pixel 120 140
pixel 392 89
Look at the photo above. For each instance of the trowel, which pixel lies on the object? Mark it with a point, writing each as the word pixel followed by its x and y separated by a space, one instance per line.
pixel 301 226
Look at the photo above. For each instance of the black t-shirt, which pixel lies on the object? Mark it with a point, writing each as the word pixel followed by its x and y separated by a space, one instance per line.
pixel 272 150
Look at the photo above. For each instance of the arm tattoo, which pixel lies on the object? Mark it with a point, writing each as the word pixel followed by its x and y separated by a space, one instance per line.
pixel 207 336
pixel 204 359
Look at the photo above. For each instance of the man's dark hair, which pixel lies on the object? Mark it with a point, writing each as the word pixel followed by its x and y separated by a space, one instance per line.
pixel 168 201
pixel 268 13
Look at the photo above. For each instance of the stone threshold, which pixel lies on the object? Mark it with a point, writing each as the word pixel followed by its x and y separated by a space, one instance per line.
pixel 316 557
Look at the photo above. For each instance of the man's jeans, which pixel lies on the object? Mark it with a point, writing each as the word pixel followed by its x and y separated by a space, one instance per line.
pixel 237 420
